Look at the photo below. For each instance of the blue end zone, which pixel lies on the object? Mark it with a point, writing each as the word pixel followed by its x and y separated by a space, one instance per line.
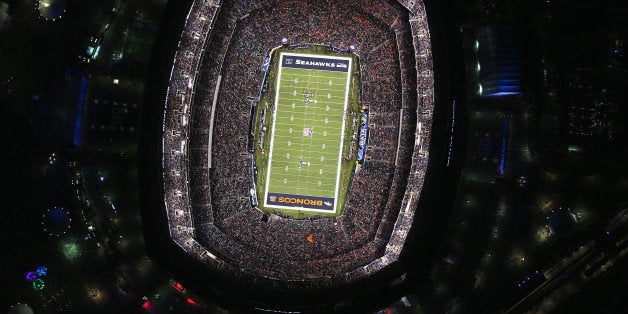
pixel 311 63
pixel 300 201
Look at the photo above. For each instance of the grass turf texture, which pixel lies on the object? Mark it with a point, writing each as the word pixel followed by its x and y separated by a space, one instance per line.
pixel 323 117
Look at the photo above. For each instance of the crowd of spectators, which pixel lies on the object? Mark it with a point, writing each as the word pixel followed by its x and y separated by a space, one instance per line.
pixel 179 94
pixel 217 74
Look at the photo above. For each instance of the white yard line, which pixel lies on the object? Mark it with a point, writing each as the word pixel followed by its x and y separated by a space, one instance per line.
pixel 342 134
pixel 272 138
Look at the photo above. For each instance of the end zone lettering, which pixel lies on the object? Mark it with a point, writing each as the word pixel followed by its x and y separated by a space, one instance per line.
pixel 290 200
pixel 315 63
pixel 300 201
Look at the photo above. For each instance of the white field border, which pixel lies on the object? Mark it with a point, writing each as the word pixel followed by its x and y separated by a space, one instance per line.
pixel 342 132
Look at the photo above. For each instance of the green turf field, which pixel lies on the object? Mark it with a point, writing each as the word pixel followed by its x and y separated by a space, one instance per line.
pixel 306 137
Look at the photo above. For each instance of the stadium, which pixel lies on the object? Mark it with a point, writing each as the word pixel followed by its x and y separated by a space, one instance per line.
pixel 292 150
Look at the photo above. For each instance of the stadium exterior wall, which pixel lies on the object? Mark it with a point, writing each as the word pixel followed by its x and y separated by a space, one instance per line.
pixel 170 256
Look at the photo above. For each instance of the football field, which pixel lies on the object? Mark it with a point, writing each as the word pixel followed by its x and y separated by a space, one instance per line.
pixel 307 132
